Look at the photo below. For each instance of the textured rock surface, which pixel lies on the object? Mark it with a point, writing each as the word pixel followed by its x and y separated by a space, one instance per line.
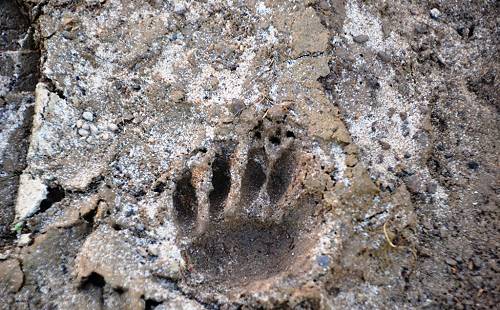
pixel 255 154
pixel 18 77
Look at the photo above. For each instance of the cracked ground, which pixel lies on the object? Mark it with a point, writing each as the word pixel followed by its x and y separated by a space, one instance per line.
pixel 258 154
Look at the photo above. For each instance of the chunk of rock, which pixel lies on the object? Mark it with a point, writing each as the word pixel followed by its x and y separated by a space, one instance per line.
pixel 302 41
pixel 30 194
pixel 11 276
pixel 24 239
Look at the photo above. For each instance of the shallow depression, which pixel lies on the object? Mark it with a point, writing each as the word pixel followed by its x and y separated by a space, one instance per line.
pixel 266 236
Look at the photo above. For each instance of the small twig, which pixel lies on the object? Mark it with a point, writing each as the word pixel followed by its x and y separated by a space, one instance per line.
pixel 265 114
pixel 387 236
pixel 412 250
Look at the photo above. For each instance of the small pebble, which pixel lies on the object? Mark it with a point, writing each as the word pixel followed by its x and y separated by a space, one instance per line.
pixel 136 120
pixel 177 96
pixel 421 28
pixel 384 57
pixel 113 127
pixel 153 250
pixel 79 123
pixel 413 184
pixel 450 261
pixel 476 261
pixel 180 9
pixel 142 252
pixel 88 116
pixel 86 126
pixel 472 165
pixel 105 136
pixel 493 265
pixel 68 35
pixel 435 13
pixel 443 232
pixel 432 188
pixel 213 83
pixel 93 129
pixel 361 38
pixel 384 145
pixel 237 106
pixel 128 117
pixel 323 261
pixel 323 4
pixel 4 256
pixel 83 132
pixel 24 240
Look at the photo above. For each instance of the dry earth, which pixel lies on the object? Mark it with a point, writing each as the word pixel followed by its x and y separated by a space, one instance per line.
pixel 173 154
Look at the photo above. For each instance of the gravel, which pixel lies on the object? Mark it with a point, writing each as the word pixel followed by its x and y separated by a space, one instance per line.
pixel 88 116
pixel 83 132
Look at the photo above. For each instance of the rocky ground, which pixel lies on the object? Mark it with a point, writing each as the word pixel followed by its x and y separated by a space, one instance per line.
pixel 171 154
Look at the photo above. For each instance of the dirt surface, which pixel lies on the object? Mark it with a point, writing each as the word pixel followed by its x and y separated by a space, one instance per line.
pixel 249 154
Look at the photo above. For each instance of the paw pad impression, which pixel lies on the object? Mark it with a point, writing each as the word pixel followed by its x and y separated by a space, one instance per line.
pixel 252 222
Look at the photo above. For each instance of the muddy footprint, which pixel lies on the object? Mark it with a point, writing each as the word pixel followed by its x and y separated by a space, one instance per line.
pixel 253 228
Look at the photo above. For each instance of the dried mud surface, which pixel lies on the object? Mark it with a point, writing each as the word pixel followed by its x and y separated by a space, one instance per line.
pixel 317 154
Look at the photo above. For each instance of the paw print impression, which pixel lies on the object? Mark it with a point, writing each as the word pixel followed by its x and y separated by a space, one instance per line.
pixel 242 215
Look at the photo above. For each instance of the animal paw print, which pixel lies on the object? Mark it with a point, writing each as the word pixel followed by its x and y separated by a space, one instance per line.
pixel 240 213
